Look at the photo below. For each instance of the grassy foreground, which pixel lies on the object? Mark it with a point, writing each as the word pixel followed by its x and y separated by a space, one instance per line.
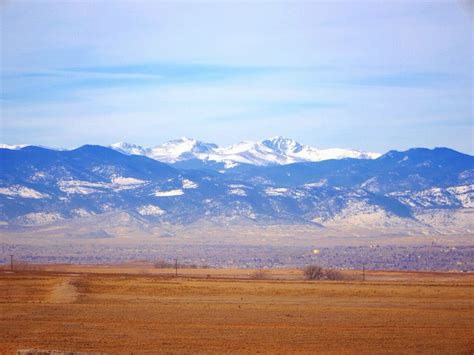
pixel 208 311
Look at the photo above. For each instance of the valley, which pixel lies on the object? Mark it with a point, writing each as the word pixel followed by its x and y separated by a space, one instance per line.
pixel 373 254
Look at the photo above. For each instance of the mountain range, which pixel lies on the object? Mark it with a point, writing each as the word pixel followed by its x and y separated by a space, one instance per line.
pixel 127 189
pixel 273 151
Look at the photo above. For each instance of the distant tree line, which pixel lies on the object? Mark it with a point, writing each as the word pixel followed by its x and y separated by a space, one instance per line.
pixel 163 264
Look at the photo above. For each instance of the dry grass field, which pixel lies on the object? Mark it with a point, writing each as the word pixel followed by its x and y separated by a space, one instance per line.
pixel 133 309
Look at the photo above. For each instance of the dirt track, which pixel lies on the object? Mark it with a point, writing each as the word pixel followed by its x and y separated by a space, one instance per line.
pixel 118 312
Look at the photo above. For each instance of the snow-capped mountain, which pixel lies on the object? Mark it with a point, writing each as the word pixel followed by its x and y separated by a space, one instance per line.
pixel 182 149
pixel 295 152
pixel 170 152
pixel 129 148
pixel 274 151
pixel 13 146
pixel 416 189
pixel 21 146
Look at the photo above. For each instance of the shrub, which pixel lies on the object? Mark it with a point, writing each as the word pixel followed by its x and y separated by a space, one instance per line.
pixel 331 274
pixel 259 275
pixel 313 272
pixel 161 264
pixel 316 272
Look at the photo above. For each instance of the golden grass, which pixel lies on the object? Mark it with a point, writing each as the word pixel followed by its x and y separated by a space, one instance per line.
pixel 124 312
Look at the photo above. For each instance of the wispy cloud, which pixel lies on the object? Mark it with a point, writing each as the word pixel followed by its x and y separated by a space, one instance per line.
pixel 372 76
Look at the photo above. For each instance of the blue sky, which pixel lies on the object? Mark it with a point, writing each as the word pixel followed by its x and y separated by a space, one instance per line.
pixel 374 75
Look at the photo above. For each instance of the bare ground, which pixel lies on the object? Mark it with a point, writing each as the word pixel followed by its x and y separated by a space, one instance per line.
pixel 125 309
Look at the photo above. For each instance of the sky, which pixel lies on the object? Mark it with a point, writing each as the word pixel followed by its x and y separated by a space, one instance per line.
pixel 373 75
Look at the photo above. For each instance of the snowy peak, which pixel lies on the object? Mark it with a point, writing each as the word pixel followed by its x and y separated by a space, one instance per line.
pixel 188 145
pixel 28 146
pixel 129 148
pixel 13 146
pixel 170 152
pixel 247 152
pixel 282 145
pixel 291 151
pixel 313 154
pixel 182 149
pixel 277 150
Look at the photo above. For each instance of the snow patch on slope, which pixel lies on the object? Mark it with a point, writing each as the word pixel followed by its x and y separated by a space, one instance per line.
pixel 461 196
pixel 126 183
pixel 150 210
pixel 22 191
pixel 464 194
pixel 176 192
pixel 238 192
pixel 81 187
pixel 188 184
pixel 276 191
pixel 118 183
pixel 36 219
pixel 120 180
pixel 81 212
pixel 312 185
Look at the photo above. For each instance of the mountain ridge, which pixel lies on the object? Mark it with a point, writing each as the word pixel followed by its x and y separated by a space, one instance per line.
pixel 277 150
pixel 39 186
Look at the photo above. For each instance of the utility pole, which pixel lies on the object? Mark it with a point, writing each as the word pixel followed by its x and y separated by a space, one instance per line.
pixel 363 273
pixel 11 262
pixel 176 267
